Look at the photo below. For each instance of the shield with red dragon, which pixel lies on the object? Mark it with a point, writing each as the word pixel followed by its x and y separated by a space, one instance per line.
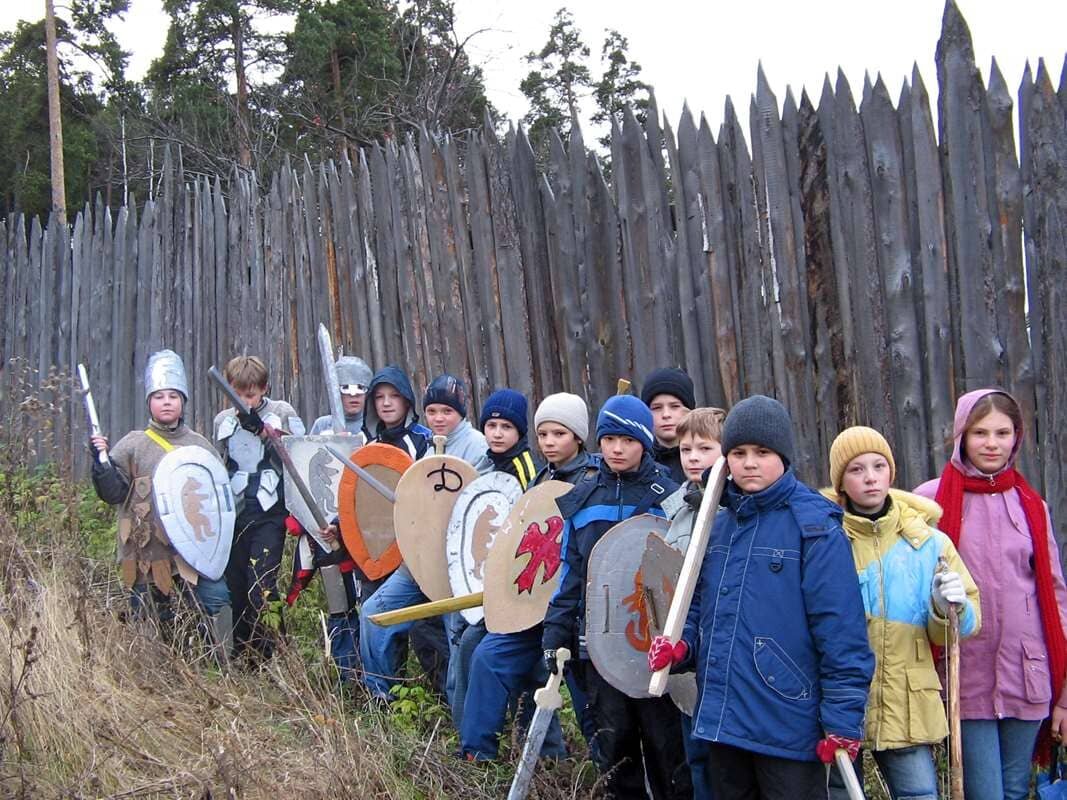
pixel 522 570
pixel 630 581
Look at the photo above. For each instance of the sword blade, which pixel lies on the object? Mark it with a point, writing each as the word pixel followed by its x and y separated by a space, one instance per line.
pixel 548 699
pixel 535 737
pixel 333 389
pixel 364 475
pixel 848 775
pixel 90 409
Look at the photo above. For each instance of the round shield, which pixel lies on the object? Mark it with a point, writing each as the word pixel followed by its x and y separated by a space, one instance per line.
pixel 367 516
pixel 425 497
pixel 522 570
pixel 321 472
pixel 195 505
pixel 630 580
pixel 480 512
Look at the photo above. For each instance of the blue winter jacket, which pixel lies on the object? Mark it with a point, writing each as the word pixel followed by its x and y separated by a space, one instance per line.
pixel 777 629
pixel 595 505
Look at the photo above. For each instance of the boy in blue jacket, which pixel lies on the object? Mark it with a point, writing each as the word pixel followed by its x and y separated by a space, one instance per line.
pixel 776 631
pixel 636 741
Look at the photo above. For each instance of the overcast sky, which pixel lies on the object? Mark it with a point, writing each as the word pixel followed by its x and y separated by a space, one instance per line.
pixel 704 51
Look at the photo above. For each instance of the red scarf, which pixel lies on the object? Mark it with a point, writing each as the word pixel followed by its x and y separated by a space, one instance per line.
pixel 950 497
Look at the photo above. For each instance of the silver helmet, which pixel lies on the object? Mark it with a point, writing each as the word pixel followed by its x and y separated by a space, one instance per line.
pixel 165 370
pixel 353 375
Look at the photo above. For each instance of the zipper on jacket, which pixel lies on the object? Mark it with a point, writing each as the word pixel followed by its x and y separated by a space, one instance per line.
pixel 885 626
pixel 618 497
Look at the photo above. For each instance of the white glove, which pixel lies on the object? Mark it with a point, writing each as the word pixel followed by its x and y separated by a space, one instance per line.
pixel 947 591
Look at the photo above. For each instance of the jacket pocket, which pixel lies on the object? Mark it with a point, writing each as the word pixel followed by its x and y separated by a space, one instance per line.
pixel 778 671
pixel 926 713
pixel 1035 672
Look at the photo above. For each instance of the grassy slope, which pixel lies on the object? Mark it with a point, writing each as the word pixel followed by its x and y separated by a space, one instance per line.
pixel 92 706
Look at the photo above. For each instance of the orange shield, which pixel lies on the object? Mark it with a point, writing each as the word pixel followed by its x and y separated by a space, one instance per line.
pixel 366 516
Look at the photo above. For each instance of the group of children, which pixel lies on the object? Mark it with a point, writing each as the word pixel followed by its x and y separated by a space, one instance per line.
pixel 816 620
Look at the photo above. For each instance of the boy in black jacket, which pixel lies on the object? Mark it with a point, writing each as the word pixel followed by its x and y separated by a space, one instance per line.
pixel 504 425
pixel 636 740
pixel 669 395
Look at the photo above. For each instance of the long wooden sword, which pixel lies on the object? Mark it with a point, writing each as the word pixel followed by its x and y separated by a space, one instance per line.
pixel 694 558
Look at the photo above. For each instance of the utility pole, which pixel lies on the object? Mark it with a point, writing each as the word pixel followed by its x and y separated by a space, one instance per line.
pixel 55 123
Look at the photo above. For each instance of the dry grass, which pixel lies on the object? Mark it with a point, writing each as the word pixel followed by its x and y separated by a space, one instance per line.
pixel 91 706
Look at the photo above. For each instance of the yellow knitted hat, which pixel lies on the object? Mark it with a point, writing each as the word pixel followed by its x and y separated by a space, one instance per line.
pixel 856 441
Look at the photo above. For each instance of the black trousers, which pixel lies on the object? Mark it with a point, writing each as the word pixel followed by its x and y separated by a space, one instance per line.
pixel 737 774
pixel 252 576
pixel 637 740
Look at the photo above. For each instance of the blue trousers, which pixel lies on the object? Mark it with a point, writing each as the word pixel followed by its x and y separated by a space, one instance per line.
pixel 343 630
pixel 996 758
pixel 909 773
pixel 383 648
pixel 503 666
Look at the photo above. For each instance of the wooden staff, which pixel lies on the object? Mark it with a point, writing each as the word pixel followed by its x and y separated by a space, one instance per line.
pixel 622 387
pixel 955 755
pixel 955 742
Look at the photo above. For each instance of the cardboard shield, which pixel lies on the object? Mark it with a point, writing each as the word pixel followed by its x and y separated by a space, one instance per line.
pixel 480 511
pixel 628 593
pixel 425 497
pixel 522 570
pixel 193 499
pixel 322 475
pixel 366 516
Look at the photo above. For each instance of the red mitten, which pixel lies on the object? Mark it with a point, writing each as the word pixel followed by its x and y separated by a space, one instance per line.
pixel 665 653
pixel 292 526
pixel 827 748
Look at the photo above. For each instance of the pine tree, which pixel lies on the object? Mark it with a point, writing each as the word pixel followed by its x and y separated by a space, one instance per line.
pixel 619 86
pixel 557 83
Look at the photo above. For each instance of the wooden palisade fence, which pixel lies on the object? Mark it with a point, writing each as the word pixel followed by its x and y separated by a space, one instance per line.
pixel 853 262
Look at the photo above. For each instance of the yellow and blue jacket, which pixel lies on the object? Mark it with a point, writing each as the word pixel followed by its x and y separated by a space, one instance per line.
pixel 896 557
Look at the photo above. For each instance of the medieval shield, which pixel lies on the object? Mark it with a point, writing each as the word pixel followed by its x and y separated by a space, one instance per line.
pixel 662 568
pixel 321 472
pixel 628 593
pixel 195 505
pixel 522 569
pixel 480 512
pixel 367 516
pixel 425 498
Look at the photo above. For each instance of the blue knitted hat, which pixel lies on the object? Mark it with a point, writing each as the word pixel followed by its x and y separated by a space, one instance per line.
pixel 447 390
pixel 505 404
pixel 625 415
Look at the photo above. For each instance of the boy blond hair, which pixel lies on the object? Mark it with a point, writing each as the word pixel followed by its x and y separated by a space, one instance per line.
pixel 703 423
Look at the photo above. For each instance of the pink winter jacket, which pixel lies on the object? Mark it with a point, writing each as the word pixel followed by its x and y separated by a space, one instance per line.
pixel 1004 669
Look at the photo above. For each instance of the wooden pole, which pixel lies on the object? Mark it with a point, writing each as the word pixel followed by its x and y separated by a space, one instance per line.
pixel 955 755
pixel 55 122
pixel 434 608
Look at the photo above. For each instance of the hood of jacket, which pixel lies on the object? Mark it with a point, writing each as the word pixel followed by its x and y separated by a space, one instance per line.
pixel 964 406
pixel 395 377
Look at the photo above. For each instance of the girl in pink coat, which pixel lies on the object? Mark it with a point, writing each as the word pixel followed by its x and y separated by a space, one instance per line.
pixel 1012 672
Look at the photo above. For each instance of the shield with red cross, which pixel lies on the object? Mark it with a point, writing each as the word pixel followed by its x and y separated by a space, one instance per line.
pixel 523 567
